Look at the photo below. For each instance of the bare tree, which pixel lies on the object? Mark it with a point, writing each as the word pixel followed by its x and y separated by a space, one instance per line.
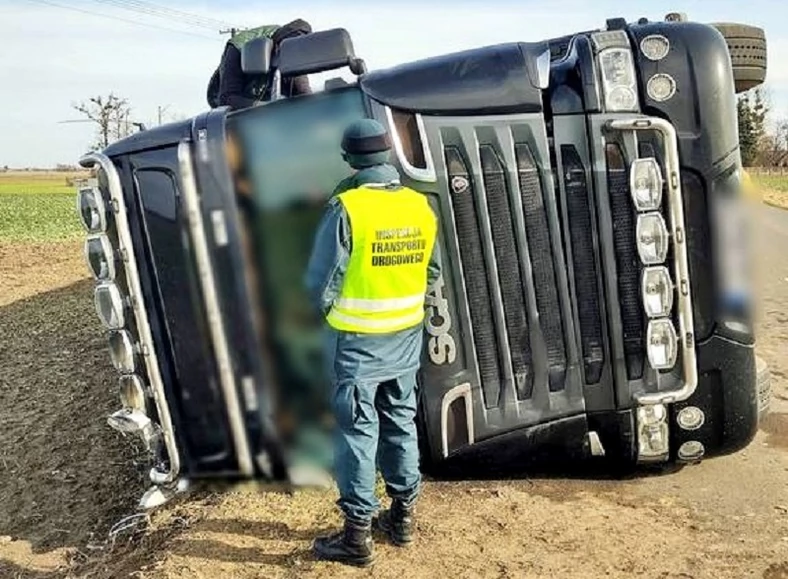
pixel 111 114
pixel 781 134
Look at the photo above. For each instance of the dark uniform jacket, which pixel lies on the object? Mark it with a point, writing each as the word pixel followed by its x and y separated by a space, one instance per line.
pixel 237 90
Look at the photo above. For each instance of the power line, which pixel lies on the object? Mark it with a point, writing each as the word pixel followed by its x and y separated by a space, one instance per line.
pixel 120 19
pixel 174 13
pixel 164 12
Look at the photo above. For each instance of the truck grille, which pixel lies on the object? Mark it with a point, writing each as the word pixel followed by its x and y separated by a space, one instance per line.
pixel 504 262
pixel 476 276
pixel 508 269
pixel 627 261
pixel 540 249
pixel 578 205
pixel 544 326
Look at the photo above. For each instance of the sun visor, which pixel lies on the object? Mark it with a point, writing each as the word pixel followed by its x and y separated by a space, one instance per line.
pixel 506 78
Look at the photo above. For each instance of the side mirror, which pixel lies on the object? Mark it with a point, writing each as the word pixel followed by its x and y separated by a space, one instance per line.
pixel 256 56
pixel 318 52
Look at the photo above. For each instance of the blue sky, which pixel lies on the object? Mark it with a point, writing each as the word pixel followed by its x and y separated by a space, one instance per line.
pixel 52 57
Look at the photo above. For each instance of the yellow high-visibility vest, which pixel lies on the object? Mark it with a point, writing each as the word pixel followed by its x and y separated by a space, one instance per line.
pixel 392 234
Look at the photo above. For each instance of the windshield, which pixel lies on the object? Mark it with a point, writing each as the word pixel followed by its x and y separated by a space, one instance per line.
pixel 292 159
pixel 292 147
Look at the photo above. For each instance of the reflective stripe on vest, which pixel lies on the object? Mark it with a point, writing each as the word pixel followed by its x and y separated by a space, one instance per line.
pixel 380 305
pixel 392 233
pixel 371 325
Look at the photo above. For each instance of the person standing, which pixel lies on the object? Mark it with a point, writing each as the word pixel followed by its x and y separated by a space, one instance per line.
pixel 374 256
pixel 231 86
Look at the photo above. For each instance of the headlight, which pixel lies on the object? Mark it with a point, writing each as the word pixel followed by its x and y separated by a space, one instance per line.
pixel 645 180
pixel 691 418
pixel 132 393
pixel 110 306
pixel 657 291
pixel 652 414
pixel 91 209
pixel 661 344
pixel 661 87
pixel 617 68
pixel 652 238
pixel 620 98
pixel 655 47
pixel 691 450
pixel 121 348
pixel 653 433
pixel 130 421
pixel 100 256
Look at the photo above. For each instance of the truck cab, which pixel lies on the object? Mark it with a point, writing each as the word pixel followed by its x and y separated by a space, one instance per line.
pixel 591 305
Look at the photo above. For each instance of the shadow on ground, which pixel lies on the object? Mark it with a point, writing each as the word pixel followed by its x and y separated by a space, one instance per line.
pixel 66 477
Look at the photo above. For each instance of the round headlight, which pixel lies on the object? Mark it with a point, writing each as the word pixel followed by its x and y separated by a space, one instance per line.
pixel 691 418
pixel 657 291
pixel 652 238
pixel 661 87
pixel 662 344
pixel 121 349
pixel 655 47
pixel 645 180
pixel 132 393
pixel 100 256
pixel 691 450
pixel 91 209
pixel 110 305
pixel 621 98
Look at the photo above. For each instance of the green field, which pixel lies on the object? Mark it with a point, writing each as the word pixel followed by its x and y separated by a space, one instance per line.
pixel 37 207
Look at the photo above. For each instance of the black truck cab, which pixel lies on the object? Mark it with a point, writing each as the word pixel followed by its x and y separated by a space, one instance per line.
pixel 586 308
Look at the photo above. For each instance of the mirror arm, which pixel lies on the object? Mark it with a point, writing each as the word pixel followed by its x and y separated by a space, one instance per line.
pixel 276 85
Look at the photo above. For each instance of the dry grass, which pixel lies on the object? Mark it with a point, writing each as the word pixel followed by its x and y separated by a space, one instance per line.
pixel 772 189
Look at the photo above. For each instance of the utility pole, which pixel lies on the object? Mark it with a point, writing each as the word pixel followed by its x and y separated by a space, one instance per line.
pixel 161 111
pixel 231 31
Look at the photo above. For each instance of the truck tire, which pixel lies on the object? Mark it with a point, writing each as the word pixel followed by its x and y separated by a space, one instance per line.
pixel 747 47
pixel 764 381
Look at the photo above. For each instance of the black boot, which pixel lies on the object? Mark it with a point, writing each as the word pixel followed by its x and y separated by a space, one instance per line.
pixel 397 523
pixel 352 545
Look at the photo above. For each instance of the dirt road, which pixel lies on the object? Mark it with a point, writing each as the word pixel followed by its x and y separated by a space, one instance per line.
pixel 726 518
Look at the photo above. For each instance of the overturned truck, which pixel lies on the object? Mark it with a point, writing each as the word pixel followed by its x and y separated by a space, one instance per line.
pixel 591 307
